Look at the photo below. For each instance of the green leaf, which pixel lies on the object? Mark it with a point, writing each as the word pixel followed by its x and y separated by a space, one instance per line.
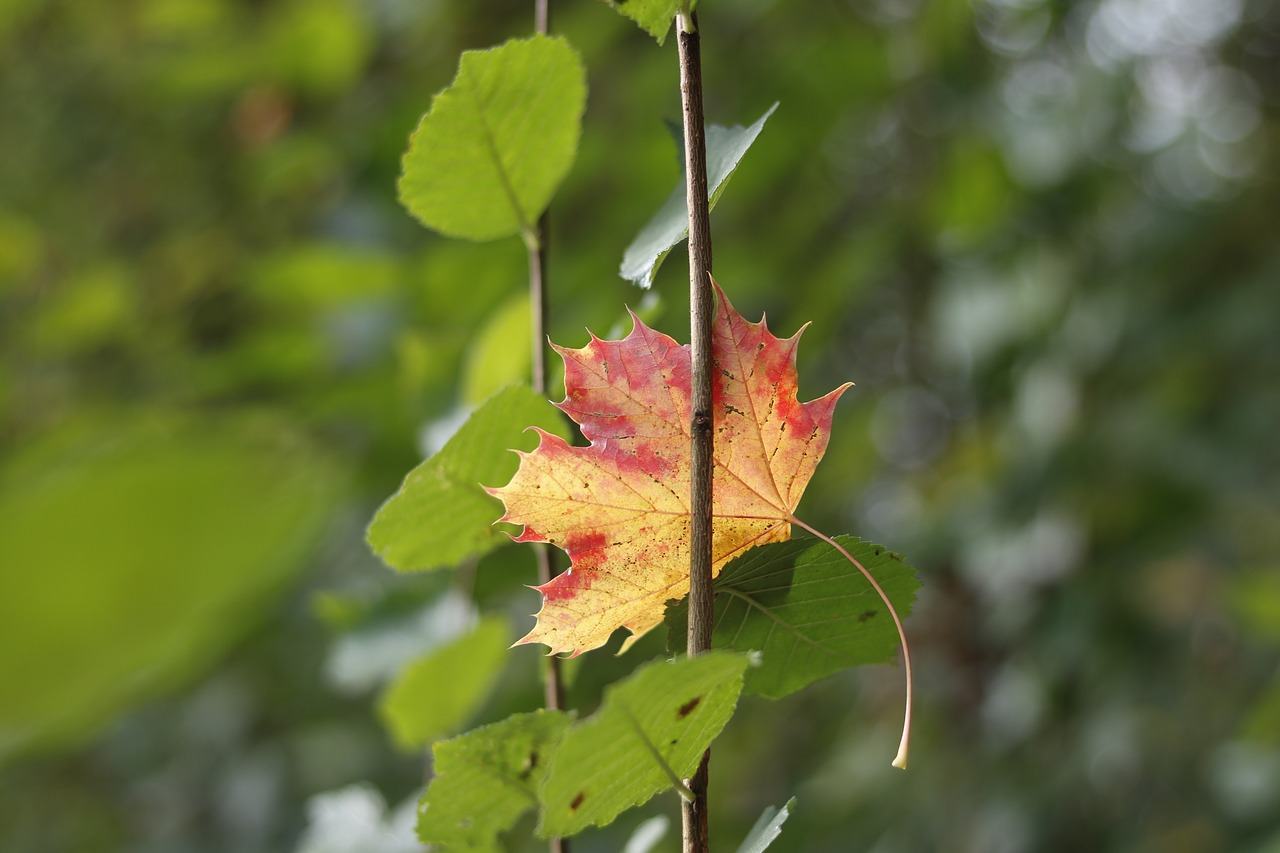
pixel 442 515
pixel 486 779
pixel 725 149
pixel 438 692
pixel 501 353
pixel 767 828
pixel 486 159
pixel 652 16
pixel 132 555
pixel 610 762
pixel 808 611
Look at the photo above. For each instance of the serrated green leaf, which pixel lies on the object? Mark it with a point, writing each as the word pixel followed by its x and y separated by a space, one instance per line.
pixel 767 828
pixel 725 149
pixel 501 353
pixel 438 692
pixel 486 779
pixel 607 763
pixel 808 611
pixel 652 16
pixel 486 159
pixel 132 554
pixel 441 515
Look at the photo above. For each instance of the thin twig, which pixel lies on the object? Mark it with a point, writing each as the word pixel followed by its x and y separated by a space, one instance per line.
pixel 701 308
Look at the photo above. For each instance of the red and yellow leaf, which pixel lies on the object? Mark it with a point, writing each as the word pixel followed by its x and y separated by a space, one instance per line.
pixel 620 507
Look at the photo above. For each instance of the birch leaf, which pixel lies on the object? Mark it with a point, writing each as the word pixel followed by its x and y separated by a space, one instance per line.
pixel 487 158
pixel 651 730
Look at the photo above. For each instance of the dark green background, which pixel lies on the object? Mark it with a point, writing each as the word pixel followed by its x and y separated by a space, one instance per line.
pixel 1039 235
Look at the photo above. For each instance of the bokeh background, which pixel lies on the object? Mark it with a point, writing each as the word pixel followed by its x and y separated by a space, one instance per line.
pixel 1040 236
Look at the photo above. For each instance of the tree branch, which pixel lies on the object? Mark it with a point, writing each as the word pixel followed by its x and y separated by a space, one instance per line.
pixel 701 309
pixel 552 680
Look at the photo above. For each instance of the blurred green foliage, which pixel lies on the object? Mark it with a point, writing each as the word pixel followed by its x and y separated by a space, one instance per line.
pixel 1038 235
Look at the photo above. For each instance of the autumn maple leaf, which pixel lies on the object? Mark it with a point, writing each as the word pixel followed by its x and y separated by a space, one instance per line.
pixel 620 507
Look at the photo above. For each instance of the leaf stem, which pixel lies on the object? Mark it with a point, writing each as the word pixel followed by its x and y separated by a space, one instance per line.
pixel 701 308
pixel 681 788
pixel 900 760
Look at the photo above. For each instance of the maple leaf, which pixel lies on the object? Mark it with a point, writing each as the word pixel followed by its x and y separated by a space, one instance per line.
pixel 620 507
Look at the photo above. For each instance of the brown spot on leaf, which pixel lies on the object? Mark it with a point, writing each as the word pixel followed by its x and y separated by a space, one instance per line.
pixel 577 801
pixel 865 615
pixel 687 708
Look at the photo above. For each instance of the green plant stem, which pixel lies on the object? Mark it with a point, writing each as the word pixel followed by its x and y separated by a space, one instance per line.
pixel 701 309
pixel 681 788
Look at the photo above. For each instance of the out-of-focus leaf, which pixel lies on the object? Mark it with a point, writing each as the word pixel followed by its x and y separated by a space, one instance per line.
pixel 609 763
pixel 133 556
pixel 725 149
pixel 21 242
pixel 319 276
pixel 806 609
pixel 375 653
pixel 486 779
pixel 488 156
pixel 767 828
pixel 318 46
pixel 441 515
pixel 436 694
pixel 93 309
pixel 501 353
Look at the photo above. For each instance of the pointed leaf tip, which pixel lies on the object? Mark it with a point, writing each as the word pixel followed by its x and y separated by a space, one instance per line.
pixel 726 146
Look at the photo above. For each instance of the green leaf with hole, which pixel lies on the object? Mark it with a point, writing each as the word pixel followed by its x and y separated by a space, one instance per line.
pixel 651 730
pixel 437 693
pixel 486 779
pixel 726 147
pixel 652 16
pixel 808 611
pixel 486 159
pixel 442 515
pixel 767 828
